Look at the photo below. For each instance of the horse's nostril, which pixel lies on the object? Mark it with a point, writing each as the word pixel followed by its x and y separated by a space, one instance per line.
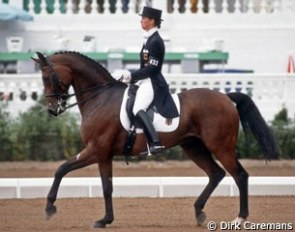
pixel 52 112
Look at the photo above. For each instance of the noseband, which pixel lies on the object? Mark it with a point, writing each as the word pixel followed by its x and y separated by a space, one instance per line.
pixel 61 97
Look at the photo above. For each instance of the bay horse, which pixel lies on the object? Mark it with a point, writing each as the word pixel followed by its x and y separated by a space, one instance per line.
pixel 208 128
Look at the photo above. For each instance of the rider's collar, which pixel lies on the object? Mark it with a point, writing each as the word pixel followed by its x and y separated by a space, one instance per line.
pixel 149 33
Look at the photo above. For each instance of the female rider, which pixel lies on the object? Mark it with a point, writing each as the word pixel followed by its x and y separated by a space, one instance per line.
pixel 153 89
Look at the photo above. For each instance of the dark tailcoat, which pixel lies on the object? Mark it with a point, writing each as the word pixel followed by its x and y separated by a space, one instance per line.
pixel 151 61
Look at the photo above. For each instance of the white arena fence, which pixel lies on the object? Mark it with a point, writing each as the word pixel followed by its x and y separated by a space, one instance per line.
pixel 143 187
pixel 271 92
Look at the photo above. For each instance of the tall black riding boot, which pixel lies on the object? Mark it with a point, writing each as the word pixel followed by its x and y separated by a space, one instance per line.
pixel 150 132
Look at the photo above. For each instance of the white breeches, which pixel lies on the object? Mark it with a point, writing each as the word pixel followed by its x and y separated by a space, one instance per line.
pixel 144 95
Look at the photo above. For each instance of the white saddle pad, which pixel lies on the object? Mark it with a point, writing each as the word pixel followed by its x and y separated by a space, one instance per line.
pixel 159 122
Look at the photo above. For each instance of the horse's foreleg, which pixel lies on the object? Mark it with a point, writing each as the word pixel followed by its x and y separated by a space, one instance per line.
pixel 105 169
pixel 79 161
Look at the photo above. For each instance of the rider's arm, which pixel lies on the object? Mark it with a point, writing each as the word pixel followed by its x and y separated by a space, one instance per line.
pixel 154 64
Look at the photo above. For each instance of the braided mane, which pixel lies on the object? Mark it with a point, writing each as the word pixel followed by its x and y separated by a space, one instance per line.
pixel 96 65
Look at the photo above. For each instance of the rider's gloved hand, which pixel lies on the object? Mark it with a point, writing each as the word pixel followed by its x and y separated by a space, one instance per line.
pixel 126 77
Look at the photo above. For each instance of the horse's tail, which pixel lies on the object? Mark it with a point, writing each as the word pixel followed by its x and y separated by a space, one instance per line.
pixel 252 121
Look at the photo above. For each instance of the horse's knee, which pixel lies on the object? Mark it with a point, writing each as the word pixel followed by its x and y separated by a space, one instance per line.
pixel 61 171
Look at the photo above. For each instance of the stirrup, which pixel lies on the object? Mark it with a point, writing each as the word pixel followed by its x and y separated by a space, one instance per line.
pixel 156 149
pixel 152 150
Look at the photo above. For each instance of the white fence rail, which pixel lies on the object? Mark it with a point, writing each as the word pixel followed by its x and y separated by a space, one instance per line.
pixel 142 187
pixel 271 92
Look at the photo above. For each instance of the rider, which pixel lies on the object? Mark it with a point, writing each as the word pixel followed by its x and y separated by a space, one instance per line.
pixel 152 85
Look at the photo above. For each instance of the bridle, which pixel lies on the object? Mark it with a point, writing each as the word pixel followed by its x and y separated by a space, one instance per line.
pixel 61 97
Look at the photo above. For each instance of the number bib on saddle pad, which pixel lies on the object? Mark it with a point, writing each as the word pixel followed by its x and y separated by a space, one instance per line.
pixel 159 122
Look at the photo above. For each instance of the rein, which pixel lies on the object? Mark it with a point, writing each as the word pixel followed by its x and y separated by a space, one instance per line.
pixel 104 86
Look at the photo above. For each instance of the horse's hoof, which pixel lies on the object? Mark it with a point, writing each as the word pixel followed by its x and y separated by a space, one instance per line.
pixel 238 220
pixel 50 211
pixel 99 224
pixel 201 218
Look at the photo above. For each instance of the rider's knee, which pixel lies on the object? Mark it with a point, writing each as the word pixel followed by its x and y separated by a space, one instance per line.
pixel 135 110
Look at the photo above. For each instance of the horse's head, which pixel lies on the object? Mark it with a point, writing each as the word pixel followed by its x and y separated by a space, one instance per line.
pixel 56 80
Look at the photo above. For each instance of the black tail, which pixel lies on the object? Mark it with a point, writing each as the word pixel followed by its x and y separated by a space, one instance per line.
pixel 253 122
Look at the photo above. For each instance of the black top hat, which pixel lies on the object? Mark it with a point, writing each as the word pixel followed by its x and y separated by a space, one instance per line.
pixel 151 13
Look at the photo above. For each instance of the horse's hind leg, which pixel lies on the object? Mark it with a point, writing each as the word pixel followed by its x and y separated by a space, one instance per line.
pixel 79 161
pixel 197 151
pixel 240 175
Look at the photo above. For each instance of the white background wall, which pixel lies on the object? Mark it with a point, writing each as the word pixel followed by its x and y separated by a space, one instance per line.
pixel 258 41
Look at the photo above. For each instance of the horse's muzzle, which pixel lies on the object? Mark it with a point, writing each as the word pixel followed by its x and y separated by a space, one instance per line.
pixel 58 107
pixel 53 112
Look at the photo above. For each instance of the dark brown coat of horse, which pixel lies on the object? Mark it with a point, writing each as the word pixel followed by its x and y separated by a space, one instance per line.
pixel 209 125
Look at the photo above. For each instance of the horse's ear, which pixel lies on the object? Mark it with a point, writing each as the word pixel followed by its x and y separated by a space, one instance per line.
pixel 36 60
pixel 42 59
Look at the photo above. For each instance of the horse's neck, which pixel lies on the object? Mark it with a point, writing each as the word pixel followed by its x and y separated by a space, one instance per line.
pixel 89 88
pixel 87 77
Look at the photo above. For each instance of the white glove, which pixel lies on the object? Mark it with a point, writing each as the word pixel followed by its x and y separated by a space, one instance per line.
pixel 126 77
